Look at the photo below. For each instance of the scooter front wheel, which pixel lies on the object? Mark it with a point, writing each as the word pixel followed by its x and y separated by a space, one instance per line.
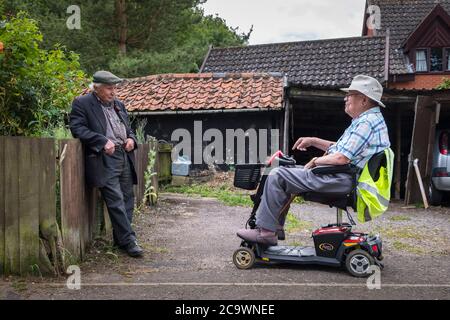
pixel 244 258
pixel 358 263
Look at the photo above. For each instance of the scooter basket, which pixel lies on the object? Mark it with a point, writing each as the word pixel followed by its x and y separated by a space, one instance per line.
pixel 247 176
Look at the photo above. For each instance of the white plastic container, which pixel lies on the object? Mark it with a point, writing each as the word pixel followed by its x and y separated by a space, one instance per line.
pixel 181 166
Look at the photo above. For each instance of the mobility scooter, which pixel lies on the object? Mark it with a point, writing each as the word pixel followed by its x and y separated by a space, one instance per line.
pixel 334 244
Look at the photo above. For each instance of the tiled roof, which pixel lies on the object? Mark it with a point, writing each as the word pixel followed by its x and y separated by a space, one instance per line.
pixel 203 91
pixel 320 63
pixel 402 17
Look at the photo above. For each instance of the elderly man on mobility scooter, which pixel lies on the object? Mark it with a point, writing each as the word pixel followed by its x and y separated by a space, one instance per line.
pixel 367 135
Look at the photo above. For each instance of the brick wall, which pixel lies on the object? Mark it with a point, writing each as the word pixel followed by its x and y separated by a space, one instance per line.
pixel 421 81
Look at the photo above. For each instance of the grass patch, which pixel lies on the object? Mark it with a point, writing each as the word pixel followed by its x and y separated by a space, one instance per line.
pixel 298 200
pixel 20 285
pixel 400 218
pixel 296 244
pixel 401 233
pixel 401 246
pixel 153 249
pixel 293 224
pixel 224 193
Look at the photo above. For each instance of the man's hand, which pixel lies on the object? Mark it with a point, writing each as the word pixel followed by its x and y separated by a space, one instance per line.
pixel 129 145
pixel 303 143
pixel 311 164
pixel 109 148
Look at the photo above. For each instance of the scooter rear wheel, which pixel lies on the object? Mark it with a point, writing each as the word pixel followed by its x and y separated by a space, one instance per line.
pixel 358 263
pixel 244 258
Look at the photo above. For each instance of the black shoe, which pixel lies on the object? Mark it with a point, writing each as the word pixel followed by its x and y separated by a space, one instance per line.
pixel 133 250
pixel 281 235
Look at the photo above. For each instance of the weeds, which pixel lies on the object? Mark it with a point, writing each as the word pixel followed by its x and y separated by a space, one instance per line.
pixel 223 193
pixel 293 224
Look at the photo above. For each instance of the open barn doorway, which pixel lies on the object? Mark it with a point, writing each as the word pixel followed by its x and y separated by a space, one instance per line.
pixel 325 118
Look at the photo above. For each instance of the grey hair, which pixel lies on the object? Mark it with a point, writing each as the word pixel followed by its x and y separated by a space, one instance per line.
pixel 94 86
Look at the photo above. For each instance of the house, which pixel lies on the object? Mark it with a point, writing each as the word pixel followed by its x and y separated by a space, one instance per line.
pixel 408 54
pixel 211 111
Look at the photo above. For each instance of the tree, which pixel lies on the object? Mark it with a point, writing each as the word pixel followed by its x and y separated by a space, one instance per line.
pixel 133 37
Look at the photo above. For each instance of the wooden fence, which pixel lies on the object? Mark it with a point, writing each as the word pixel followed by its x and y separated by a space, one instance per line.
pixel 41 232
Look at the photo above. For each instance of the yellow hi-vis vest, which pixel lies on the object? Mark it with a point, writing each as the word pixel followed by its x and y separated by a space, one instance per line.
pixel 373 196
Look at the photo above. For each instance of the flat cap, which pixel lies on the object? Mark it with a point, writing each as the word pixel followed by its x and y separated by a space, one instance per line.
pixel 106 77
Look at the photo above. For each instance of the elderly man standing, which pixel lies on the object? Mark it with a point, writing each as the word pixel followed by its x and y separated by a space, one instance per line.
pixel 101 122
pixel 366 136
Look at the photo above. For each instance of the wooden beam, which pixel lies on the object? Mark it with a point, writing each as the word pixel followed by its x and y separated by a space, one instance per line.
pixel 398 152
pixel 422 139
pixel 287 114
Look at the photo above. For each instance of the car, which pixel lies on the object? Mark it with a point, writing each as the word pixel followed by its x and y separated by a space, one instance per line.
pixel 440 174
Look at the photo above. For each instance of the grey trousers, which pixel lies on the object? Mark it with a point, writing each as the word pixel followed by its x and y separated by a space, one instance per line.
pixel 283 182
pixel 119 197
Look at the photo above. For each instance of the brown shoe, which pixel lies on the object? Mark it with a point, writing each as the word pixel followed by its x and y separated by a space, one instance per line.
pixel 259 235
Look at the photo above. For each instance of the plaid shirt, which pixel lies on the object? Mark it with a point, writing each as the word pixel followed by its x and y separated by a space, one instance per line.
pixel 366 136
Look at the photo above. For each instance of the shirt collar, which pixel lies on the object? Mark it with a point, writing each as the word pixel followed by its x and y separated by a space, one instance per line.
pixel 371 110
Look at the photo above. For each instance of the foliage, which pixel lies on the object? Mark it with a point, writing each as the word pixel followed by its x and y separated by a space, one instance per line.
pixel 224 193
pixel 36 85
pixel 445 84
pixel 150 194
pixel 140 129
pixel 147 37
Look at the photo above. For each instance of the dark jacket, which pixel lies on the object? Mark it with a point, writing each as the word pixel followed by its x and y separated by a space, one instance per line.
pixel 88 123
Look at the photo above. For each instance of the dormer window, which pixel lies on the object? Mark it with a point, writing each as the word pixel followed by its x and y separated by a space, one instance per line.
pixel 433 60
pixel 436 59
pixel 421 60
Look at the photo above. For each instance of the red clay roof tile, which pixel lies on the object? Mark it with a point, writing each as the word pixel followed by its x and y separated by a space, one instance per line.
pixel 203 91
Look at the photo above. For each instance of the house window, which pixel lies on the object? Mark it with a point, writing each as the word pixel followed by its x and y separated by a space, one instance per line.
pixel 447 54
pixel 421 60
pixel 436 59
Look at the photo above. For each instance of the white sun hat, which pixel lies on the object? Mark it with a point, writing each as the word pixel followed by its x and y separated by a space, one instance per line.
pixel 368 86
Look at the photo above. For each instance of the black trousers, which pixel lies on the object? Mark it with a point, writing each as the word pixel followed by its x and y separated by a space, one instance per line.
pixel 118 196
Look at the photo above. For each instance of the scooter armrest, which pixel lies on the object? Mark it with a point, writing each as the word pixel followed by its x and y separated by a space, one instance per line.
pixel 345 168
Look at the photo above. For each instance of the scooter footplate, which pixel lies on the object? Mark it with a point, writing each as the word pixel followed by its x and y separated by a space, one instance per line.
pixel 291 251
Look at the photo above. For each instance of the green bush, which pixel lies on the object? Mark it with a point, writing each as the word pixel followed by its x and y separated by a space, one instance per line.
pixel 445 84
pixel 37 86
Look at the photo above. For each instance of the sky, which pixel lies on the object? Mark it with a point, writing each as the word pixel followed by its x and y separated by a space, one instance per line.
pixel 291 20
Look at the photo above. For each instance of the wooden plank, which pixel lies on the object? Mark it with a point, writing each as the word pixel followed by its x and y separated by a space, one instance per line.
pixel 154 147
pixel 398 152
pixel 2 203
pixel 70 199
pixel 47 200
pixel 423 135
pixel 144 164
pixel 12 254
pixel 84 215
pixel 138 168
pixel 28 159
pixel 107 222
pixel 91 198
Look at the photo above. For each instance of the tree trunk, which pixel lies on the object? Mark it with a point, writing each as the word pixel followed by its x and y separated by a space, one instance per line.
pixel 123 26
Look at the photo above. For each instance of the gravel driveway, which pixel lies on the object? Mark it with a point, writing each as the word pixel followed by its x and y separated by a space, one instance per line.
pixel 189 243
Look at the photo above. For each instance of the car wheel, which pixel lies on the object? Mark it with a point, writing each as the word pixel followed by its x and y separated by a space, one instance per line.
pixel 435 195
